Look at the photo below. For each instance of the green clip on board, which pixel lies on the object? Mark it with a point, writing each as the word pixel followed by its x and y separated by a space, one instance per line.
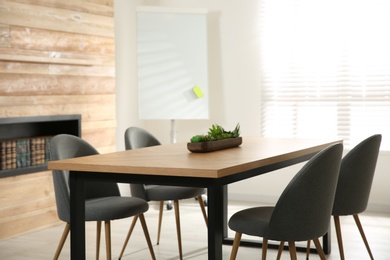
pixel 198 92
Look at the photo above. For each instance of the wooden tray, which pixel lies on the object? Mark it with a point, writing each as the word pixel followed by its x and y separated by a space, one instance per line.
pixel 204 147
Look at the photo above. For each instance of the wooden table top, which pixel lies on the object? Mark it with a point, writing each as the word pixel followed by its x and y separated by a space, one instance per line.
pixel 176 160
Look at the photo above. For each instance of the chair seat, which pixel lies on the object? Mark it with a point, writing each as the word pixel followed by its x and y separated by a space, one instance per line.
pixel 160 193
pixel 110 208
pixel 252 221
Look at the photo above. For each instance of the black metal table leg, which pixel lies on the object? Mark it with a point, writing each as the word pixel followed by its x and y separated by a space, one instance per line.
pixel 215 225
pixel 77 216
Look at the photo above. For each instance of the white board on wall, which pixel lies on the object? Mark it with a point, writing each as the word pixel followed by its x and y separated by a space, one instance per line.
pixel 172 61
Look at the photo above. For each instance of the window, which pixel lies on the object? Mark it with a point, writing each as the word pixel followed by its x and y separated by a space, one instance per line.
pixel 325 68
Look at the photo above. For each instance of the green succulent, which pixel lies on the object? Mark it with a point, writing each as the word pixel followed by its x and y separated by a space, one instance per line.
pixel 215 133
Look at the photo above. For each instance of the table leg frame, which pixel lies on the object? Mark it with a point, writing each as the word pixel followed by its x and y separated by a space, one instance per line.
pixel 217 199
pixel 77 217
pixel 216 227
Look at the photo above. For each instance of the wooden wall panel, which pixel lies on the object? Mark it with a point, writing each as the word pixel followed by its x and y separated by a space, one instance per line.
pixel 4 36
pixel 56 57
pixel 55 18
pixel 36 39
pixel 30 194
pixel 28 206
pixel 104 8
pixel 25 84
pixel 55 69
pixel 30 44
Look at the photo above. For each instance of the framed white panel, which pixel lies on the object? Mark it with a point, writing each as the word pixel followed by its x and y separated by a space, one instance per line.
pixel 172 61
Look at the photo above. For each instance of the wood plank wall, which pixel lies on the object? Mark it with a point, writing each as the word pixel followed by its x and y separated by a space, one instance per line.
pixel 56 57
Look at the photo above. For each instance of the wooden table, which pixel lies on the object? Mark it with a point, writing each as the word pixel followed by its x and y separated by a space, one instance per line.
pixel 173 164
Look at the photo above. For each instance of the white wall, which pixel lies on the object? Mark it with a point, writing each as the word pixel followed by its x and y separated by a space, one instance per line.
pixel 234 84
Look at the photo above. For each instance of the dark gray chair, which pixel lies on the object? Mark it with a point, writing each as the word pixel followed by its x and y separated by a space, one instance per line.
pixel 302 212
pixel 354 185
pixel 103 200
pixel 136 138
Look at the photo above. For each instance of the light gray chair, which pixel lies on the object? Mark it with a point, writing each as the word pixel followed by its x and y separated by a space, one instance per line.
pixel 354 186
pixel 136 138
pixel 103 200
pixel 302 212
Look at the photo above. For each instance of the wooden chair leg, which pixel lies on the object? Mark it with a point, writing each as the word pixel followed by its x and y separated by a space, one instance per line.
pixel 160 215
pixel 107 225
pixel 264 248
pixel 203 208
pixel 177 215
pixel 308 250
pixel 98 233
pixel 281 247
pixel 128 236
pixel 236 244
pixel 147 237
pixel 339 237
pixel 280 251
pixel 293 250
pixel 62 241
pixel 360 227
pixel 320 251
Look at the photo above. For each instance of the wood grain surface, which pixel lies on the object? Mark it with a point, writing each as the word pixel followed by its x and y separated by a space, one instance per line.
pixel 56 57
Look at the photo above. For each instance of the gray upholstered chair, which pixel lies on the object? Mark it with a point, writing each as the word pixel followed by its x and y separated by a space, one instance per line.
pixel 302 212
pixel 354 186
pixel 103 200
pixel 136 138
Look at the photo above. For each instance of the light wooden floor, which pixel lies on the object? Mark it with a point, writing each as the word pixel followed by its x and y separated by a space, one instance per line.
pixel 42 244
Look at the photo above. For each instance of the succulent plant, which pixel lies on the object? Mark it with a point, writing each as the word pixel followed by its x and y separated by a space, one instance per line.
pixel 215 133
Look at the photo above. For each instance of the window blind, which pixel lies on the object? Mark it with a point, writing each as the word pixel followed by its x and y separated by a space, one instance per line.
pixel 325 68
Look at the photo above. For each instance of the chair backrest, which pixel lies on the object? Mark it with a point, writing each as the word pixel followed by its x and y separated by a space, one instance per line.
pixel 304 209
pixel 356 175
pixel 135 138
pixel 66 146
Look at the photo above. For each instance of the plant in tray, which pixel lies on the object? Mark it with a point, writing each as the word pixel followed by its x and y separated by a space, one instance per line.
pixel 216 139
pixel 216 133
